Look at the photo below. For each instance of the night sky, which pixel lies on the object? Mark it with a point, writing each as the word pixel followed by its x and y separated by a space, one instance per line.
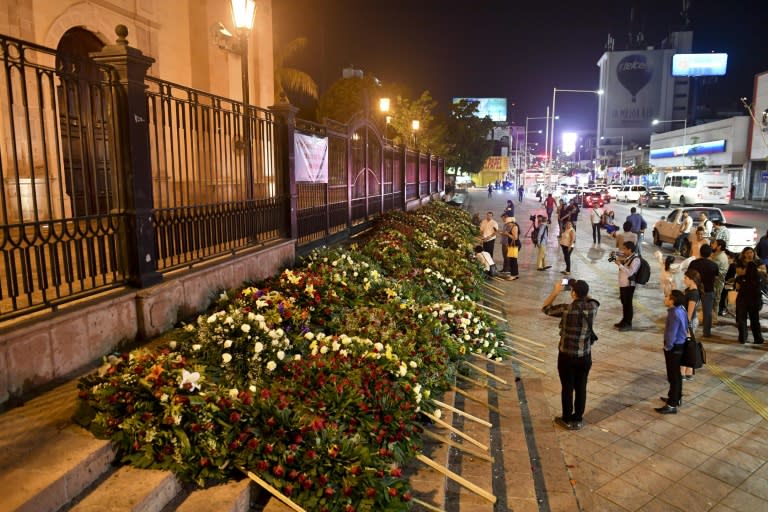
pixel 513 49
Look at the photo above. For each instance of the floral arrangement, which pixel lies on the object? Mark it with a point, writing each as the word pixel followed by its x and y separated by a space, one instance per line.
pixel 314 379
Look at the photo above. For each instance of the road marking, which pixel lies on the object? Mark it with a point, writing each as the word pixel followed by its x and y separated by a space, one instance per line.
pixel 739 390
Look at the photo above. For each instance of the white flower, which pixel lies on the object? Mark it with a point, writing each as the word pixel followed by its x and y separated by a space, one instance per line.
pixel 229 320
pixel 258 347
pixel 335 346
pixel 223 296
pixel 413 364
pixel 233 393
pixel 280 355
pixel 196 346
pixel 245 328
pixel 189 378
pixel 212 318
pixel 252 388
pixel 323 349
pixel 172 344
pixel 297 357
pixel 438 413
pixel 403 369
pixel 227 343
pixel 164 397
pixel 226 357
pixel 271 365
pixel 378 346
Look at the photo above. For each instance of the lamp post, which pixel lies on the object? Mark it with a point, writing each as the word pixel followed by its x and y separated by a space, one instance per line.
pixel 414 128
pixel 546 136
pixel 243 12
pixel 555 90
pixel 384 109
pixel 685 130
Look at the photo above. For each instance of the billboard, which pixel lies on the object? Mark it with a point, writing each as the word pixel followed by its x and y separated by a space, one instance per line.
pixel 633 82
pixel 699 64
pixel 495 108
pixel 701 148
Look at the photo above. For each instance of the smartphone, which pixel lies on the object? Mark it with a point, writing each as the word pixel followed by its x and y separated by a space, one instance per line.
pixel 565 284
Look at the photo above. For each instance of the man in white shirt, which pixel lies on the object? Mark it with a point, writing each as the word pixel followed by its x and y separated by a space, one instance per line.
pixel 705 223
pixel 488 229
pixel 686 222
pixel 596 218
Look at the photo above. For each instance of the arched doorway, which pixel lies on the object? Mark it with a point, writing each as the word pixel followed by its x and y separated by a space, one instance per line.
pixel 83 114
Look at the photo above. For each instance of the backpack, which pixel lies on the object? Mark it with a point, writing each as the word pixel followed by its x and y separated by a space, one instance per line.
pixel 535 235
pixel 518 243
pixel 643 274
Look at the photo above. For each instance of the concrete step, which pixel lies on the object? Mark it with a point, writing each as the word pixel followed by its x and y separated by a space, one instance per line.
pixel 46 460
pixel 229 497
pixel 132 490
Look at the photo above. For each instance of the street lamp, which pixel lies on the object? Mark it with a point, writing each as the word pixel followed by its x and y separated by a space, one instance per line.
pixel 546 136
pixel 243 12
pixel 555 90
pixel 384 109
pixel 415 127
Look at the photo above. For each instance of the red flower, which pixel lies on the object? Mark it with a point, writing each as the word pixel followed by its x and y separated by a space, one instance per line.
pixel 370 492
pixel 407 496
pixel 234 417
pixel 288 489
pixel 328 491
pixel 396 472
pixel 278 471
pixel 392 491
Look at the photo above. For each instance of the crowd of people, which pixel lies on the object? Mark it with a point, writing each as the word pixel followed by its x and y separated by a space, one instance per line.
pixel 697 291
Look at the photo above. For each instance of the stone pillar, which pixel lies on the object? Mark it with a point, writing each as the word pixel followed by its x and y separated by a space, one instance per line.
pixel 133 163
pixel 285 128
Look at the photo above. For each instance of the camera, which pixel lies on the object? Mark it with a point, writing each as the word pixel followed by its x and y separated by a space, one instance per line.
pixel 532 218
pixel 613 255
pixel 611 258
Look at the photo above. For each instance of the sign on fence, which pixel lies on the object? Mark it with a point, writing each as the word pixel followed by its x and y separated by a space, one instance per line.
pixel 311 158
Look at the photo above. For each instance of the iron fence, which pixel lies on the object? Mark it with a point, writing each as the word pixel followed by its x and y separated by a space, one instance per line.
pixel 108 181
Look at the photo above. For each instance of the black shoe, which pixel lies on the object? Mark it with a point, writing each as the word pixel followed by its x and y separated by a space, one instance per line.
pixel 666 400
pixel 540 269
pixel 576 425
pixel 759 342
pixel 547 267
pixel 688 377
pixel 625 327
pixel 667 409
pixel 619 324
pixel 565 424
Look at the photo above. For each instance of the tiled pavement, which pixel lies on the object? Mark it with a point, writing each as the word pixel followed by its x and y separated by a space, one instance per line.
pixel 710 456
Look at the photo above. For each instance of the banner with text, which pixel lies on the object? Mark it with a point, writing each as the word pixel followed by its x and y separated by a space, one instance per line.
pixel 311 158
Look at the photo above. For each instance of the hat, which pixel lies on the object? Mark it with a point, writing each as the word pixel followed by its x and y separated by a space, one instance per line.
pixel 580 287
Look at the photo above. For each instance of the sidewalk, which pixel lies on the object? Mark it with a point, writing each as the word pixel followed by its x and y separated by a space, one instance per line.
pixel 710 456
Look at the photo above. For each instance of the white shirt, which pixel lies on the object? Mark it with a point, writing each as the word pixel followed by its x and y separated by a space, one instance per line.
pixel 485 260
pixel 627 271
pixel 685 226
pixel 707 225
pixel 596 215
pixel 488 229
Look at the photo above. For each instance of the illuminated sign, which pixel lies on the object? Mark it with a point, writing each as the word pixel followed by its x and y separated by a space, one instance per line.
pixel 495 108
pixel 569 142
pixel 702 148
pixel 699 64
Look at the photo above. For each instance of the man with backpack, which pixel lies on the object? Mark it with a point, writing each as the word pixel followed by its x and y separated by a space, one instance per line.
pixel 539 238
pixel 628 264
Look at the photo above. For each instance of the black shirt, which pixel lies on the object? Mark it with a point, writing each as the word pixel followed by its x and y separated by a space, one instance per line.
pixel 708 270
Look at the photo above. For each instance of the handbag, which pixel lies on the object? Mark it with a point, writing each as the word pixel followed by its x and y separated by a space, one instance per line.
pixel 512 251
pixel 694 356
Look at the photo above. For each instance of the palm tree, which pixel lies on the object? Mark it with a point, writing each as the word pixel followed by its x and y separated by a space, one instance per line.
pixel 292 79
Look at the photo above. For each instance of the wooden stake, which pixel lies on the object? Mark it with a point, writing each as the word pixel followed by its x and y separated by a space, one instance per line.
pixel 522 352
pixel 426 505
pixel 277 494
pixel 473 381
pixel 491 287
pixel 486 373
pixel 462 413
pixel 470 397
pixel 489 309
pixel 484 358
pixel 456 431
pixel 525 339
pixel 456 478
pixel 529 365
pixel 463 447
pixel 497 317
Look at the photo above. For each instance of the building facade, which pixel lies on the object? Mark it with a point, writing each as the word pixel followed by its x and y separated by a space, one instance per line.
pixel 756 179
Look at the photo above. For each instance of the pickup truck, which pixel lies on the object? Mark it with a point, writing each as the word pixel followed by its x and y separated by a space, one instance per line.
pixel 667 229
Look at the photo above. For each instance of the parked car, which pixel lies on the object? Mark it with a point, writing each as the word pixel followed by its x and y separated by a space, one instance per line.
pixel 667 229
pixel 603 191
pixel 630 193
pixel 655 198
pixel 592 199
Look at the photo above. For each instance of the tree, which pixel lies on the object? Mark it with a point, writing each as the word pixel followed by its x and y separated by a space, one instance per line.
pixel 291 79
pixel 467 138
pixel 641 169
pixel 346 97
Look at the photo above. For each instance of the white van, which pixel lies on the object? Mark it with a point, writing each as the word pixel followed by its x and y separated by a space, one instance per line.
pixel 695 187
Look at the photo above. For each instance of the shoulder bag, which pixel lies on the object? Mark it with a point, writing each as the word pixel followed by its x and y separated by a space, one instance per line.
pixel 694 356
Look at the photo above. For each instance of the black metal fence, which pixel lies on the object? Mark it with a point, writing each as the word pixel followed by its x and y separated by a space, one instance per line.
pixel 111 181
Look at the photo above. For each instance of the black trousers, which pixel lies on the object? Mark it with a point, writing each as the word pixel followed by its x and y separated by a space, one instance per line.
pixel 626 293
pixel 573 372
pixel 567 257
pixel 488 246
pixel 672 361
pixel 751 311
pixel 596 233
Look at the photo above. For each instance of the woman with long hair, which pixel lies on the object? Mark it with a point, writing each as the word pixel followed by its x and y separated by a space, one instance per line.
pixel 749 299
pixel 567 241
pixel 693 291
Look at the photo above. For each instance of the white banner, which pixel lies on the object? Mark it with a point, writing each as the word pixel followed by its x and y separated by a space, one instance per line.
pixel 311 158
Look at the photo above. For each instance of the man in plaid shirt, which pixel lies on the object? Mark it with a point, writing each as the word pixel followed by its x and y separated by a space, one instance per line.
pixel 574 358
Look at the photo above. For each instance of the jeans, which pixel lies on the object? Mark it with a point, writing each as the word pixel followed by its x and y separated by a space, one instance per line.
pixel 639 242
pixel 505 267
pixel 707 301
pixel 488 246
pixel 596 233
pixel 626 293
pixel 567 257
pixel 675 379
pixel 549 214
pixel 679 241
pixel 573 372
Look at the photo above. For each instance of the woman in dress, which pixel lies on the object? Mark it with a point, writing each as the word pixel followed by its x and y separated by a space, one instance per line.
pixel 693 290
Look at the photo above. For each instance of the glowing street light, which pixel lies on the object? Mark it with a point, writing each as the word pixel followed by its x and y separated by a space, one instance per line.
pixel 414 128
pixel 243 12
pixel 554 116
